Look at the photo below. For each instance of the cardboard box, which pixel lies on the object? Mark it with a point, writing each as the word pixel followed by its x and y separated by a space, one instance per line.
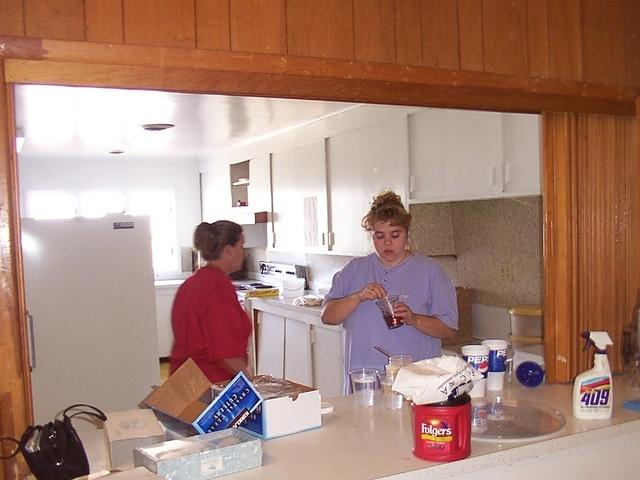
pixel 128 429
pixel 187 396
pixel 283 415
pixel 203 456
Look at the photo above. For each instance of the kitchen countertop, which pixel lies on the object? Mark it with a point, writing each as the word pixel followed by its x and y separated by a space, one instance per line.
pixel 176 282
pixel 281 306
pixel 362 443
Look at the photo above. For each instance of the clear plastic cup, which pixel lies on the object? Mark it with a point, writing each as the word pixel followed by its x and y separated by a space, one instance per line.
pixel 364 383
pixel 391 399
pixel 385 305
pixel 396 362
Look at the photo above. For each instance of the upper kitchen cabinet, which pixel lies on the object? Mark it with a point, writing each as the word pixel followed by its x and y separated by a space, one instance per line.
pixel 466 155
pixel 250 186
pixel 521 154
pixel 362 163
pixel 299 188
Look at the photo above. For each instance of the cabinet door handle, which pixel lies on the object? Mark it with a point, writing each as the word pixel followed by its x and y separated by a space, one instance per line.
pixel 492 175
pixel 507 172
pixel 322 238
pixel 32 342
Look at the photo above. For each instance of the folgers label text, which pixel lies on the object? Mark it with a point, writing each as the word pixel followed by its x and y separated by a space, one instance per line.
pixel 436 431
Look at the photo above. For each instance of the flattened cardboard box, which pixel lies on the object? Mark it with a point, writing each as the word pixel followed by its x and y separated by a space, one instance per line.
pixel 186 396
pixel 128 429
pixel 202 457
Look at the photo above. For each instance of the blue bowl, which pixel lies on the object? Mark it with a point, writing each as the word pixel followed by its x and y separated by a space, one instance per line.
pixel 530 374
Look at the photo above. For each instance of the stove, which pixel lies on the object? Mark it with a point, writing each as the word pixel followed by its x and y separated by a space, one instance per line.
pixel 253 288
pixel 271 278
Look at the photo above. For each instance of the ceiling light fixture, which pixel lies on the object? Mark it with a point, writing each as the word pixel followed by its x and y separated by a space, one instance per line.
pixel 157 127
pixel 241 181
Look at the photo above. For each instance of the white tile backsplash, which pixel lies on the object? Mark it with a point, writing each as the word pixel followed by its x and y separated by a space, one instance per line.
pixel 490 322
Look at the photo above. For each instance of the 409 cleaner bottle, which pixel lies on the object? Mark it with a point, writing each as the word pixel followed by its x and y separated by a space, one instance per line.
pixel 593 389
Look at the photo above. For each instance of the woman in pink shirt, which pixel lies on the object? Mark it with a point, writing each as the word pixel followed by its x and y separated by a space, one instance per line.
pixel 209 325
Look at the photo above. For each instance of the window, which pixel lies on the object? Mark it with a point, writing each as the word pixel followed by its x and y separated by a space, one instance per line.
pixel 159 205
pixel 51 204
pixel 98 203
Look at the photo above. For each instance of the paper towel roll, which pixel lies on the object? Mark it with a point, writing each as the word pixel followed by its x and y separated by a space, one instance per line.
pixel 293 287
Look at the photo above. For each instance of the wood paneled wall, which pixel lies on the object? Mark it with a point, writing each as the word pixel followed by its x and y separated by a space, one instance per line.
pixel 15 395
pixel 591 260
pixel 513 55
pixel 595 41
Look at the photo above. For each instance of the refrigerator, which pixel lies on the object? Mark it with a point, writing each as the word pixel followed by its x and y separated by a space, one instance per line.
pixel 91 322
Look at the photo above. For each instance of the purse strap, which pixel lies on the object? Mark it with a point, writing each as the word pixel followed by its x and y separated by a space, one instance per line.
pixel 99 414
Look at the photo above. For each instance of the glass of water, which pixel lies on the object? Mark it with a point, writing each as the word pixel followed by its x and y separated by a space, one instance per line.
pixel 364 383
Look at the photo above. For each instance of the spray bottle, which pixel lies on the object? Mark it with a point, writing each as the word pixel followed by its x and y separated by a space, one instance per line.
pixel 593 389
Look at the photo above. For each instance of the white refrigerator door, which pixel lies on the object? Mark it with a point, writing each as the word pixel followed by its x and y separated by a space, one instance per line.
pixel 90 296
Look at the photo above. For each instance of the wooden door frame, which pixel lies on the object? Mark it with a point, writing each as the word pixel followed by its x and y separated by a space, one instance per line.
pixel 196 71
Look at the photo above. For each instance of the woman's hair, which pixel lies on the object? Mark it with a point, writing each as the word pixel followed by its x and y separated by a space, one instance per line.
pixel 387 207
pixel 211 238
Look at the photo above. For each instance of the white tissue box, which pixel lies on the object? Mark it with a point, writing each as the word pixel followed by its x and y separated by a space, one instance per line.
pixel 202 457
pixel 128 429
pixel 138 473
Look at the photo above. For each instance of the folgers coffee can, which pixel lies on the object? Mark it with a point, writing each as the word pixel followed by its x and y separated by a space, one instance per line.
pixel 442 431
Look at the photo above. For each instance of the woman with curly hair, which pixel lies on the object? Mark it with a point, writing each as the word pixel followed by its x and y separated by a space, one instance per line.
pixel 427 307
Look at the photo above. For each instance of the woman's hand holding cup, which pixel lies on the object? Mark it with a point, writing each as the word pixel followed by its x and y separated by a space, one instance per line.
pixel 403 313
pixel 371 291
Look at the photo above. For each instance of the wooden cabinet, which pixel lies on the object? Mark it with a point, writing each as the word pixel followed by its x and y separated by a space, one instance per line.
pixel 362 163
pixel 298 347
pixel 466 155
pixel 299 188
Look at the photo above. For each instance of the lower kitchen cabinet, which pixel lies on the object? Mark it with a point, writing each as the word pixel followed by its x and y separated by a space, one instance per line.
pixel 164 302
pixel 270 344
pixel 328 360
pixel 299 350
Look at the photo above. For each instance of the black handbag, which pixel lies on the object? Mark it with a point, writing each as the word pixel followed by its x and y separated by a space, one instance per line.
pixel 54 451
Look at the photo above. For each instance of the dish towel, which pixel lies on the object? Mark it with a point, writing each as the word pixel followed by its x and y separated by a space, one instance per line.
pixel 309 300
